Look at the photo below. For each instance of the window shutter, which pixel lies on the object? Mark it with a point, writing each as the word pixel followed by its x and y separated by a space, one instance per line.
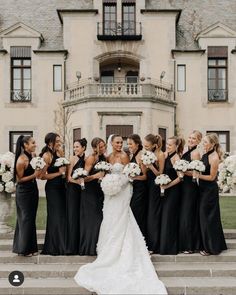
pixel 218 51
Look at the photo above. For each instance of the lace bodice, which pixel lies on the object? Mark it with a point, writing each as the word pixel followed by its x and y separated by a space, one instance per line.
pixel 117 168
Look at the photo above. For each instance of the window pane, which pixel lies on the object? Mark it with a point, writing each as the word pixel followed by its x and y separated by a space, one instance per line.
pixel 57 75
pixel 222 84
pixel 16 62
pixel 16 74
pixel 26 62
pixel 212 73
pixel 222 138
pixel 16 84
pixel 212 84
pixel 211 62
pixel 26 84
pixel 222 62
pixel 106 79
pixel 181 78
pixel 27 73
pixel 222 73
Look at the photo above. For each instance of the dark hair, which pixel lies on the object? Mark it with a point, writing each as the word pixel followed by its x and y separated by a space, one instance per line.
pixel 179 142
pixel 114 136
pixel 137 140
pixel 154 139
pixel 49 138
pixel 95 141
pixel 83 142
pixel 22 139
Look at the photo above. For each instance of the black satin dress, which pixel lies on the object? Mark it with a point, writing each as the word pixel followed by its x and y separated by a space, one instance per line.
pixel 212 235
pixel 73 195
pixel 153 213
pixel 170 213
pixel 138 201
pixel 55 237
pixel 27 196
pixel 91 214
pixel 189 230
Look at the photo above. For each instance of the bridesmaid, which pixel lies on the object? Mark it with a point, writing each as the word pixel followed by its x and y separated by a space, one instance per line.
pixel 153 143
pixel 91 201
pixel 189 232
pixel 171 199
pixel 213 241
pixel 54 243
pixel 25 238
pixel 73 198
pixel 138 201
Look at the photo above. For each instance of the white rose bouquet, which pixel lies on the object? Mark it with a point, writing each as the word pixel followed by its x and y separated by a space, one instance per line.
pixel 196 166
pixel 181 166
pixel 80 173
pixel 161 180
pixel 148 158
pixel 111 184
pixel 61 162
pixel 103 166
pixel 6 172
pixel 37 163
pixel 227 174
pixel 132 170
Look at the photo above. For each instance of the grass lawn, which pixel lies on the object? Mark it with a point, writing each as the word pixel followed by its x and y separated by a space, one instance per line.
pixel 227 205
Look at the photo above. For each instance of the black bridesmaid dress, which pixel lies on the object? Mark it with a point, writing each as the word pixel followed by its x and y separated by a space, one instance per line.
pixel 73 195
pixel 27 196
pixel 153 213
pixel 91 214
pixel 138 201
pixel 170 213
pixel 189 230
pixel 55 237
pixel 212 235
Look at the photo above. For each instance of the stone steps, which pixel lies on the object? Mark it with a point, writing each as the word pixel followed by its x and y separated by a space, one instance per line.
pixel 184 285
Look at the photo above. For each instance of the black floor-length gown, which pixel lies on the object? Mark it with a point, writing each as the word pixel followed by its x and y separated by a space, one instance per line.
pixel 138 201
pixel 91 214
pixel 170 213
pixel 153 213
pixel 55 237
pixel 212 235
pixel 189 230
pixel 73 195
pixel 25 238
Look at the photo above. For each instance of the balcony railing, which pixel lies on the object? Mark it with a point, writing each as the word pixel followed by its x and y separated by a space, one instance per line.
pixel 87 90
pixel 119 31
pixel 19 96
pixel 217 95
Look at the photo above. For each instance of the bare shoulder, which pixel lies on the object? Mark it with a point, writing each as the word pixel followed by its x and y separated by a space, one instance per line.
pixel 90 159
pixel 214 157
pixel 160 155
pixel 195 154
pixel 47 157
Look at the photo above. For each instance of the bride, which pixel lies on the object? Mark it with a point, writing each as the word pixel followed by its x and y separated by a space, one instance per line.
pixel 123 265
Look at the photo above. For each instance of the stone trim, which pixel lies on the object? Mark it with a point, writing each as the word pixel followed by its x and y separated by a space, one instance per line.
pixel 60 11
pixel 178 11
pixel 64 51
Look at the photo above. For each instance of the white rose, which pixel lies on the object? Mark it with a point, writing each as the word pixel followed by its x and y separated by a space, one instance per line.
pixel 7 176
pixel 10 187
pixel 1 187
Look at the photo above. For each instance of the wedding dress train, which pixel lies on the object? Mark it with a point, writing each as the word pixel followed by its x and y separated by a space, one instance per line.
pixel 123 264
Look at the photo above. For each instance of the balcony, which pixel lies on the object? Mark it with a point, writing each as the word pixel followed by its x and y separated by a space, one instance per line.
pixel 85 91
pixel 19 96
pixel 111 31
pixel 217 95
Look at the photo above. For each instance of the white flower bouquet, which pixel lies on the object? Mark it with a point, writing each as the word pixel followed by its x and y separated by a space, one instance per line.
pixel 161 180
pixel 227 174
pixel 111 184
pixel 80 173
pixel 6 172
pixel 61 162
pixel 103 166
pixel 181 166
pixel 148 158
pixel 37 163
pixel 196 166
pixel 132 170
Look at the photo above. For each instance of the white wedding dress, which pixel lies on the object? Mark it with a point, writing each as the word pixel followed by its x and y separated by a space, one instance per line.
pixel 123 264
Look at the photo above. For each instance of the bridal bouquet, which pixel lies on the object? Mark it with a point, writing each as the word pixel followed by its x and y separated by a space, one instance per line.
pixel 196 165
pixel 227 174
pixel 148 158
pixel 37 163
pixel 111 184
pixel 6 172
pixel 132 170
pixel 103 166
pixel 181 166
pixel 161 180
pixel 80 173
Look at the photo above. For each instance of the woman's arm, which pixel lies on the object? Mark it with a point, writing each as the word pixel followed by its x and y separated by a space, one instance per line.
pixel 161 164
pixel 177 179
pixel 20 169
pixel 142 167
pixel 47 176
pixel 214 162
pixel 69 171
pixel 89 162
pixel 195 155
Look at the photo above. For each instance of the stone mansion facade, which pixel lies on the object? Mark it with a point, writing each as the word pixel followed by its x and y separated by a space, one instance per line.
pixel 93 68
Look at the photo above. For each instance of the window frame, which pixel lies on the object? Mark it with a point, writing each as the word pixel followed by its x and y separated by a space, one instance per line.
pixel 184 66
pixel 57 90
pixel 11 135
pixel 108 31
pixel 224 132
pixel 133 4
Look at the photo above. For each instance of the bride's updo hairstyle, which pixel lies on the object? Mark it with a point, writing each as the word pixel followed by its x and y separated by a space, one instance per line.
pixel 137 140
pixel 154 140
pixel 114 136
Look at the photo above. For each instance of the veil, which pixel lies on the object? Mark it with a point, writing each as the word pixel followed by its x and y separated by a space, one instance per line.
pixel 109 145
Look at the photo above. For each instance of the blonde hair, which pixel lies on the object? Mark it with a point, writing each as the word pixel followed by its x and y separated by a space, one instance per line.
pixel 198 135
pixel 154 139
pixel 179 142
pixel 214 140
